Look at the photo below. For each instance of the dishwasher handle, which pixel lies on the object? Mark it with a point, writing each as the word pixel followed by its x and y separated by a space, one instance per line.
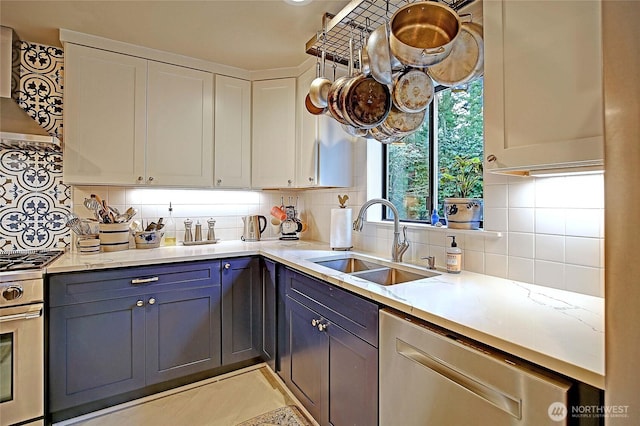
pixel 493 396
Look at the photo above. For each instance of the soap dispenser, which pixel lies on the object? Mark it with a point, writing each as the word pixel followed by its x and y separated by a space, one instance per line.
pixel 454 257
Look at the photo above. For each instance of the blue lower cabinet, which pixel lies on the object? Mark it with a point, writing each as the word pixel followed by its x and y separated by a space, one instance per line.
pixel 165 325
pixel 269 279
pixel 241 309
pixel 331 370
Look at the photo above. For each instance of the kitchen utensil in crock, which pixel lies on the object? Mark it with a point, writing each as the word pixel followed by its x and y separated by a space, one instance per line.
pixel 422 34
pixel 466 60
pixel 412 90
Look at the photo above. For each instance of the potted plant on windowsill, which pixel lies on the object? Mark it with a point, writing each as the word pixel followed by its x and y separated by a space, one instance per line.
pixel 463 211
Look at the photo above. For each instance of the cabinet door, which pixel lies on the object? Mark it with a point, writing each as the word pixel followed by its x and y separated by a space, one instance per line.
pixel 323 148
pixel 353 379
pixel 180 126
pixel 269 302
pixel 104 116
pixel 183 333
pixel 232 133
pixel 274 133
pixel 542 84
pixel 308 361
pixel 241 310
pixel 97 350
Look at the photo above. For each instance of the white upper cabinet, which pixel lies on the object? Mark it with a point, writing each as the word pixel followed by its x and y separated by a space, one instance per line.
pixel 133 121
pixel 179 126
pixel 323 149
pixel 543 84
pixel 232 133
pixel 274 133
pixel 104 116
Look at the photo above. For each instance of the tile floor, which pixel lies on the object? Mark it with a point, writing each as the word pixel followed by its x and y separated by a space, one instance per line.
pixel 224 400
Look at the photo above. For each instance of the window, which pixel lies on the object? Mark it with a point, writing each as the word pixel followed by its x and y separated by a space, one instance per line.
pixel 454 127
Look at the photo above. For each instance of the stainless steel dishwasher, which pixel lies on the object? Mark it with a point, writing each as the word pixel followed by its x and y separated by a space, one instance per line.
pixel 431 377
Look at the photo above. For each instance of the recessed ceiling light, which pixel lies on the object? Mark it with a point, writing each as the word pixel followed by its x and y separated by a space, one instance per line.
pixel 298 2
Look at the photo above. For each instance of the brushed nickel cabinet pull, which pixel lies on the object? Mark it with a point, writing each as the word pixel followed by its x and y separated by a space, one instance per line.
pixel 144 280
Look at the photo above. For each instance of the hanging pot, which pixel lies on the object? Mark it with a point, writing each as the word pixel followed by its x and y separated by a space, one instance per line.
pixel 319 90
pixel 403 123
pixel 333 103
pixel 366 102
pixel 422 34
pixel 312 108
pixel 412 90
pixel 379 55
pixel 466 60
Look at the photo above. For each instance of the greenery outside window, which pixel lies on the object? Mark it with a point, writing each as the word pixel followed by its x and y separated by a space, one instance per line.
pixel 412 168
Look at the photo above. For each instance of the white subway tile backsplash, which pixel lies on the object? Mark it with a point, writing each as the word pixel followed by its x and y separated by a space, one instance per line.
pixel 521 245
pixel 583 251
pixel 583 279
pixel 496 219
pixel 550 221
pixel 521 220
pixel 584 222
pixel 497 245
pixel 551 192
pixel 496 265
pixel 496 196
pixel 473 261
pixel 520 269
pixel 522 193
pixel 550 247
pixel 549 274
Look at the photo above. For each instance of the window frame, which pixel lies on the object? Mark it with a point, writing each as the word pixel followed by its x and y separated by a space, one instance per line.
pixel 433 161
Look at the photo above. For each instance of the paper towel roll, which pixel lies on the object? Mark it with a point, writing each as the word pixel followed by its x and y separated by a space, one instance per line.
pixel 341 226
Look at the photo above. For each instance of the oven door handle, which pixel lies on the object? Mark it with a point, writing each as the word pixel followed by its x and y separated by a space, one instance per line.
pixel 29 312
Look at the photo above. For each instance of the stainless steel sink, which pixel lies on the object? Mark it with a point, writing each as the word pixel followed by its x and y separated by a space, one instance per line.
pixel 349 265
pixel 379 273
pixel 391 276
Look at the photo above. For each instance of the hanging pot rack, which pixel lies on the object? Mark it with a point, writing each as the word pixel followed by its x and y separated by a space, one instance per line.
pixel 357 19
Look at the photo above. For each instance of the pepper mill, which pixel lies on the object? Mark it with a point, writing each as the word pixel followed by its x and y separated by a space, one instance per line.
pixel 211 235
pixel 188 237
pixel 198 231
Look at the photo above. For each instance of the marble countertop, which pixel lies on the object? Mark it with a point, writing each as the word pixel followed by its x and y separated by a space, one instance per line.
pixel 560 330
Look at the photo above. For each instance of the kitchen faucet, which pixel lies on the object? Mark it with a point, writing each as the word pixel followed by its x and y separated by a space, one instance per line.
pixel 398 248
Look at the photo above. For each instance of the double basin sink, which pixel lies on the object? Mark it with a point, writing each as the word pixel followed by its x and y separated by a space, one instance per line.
pixel 370 270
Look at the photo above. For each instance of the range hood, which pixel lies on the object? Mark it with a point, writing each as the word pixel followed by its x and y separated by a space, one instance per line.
pixel 17 128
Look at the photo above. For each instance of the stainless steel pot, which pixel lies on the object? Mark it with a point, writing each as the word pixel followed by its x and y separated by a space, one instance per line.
pixel 319 89
pixel 466 60
pixel 422 34
pixel 412 90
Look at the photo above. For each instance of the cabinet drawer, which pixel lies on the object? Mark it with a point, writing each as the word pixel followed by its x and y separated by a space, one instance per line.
pixel 349 311
pixel 81 287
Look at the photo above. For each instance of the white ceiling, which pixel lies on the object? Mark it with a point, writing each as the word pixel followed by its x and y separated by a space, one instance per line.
pixel 252 35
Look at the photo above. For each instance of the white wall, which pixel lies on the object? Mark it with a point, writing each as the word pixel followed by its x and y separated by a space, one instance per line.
pixel 552 229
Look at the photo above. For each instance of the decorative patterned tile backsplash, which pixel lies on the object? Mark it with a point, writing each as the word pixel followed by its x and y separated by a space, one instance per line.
pixel 40 86
pixel 33 200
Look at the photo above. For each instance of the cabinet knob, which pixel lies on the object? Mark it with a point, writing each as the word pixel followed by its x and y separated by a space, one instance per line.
pixel 290 182
pixel 152 301
pixel 219 182
pixel 315 322
pixel 150 178
pixel 140 178
pixel 139 303
pixel 322 327
pixel 491 158
pixel 310 179
pixel 227 265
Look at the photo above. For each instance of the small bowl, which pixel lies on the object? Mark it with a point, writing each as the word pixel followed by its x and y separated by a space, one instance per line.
pixel 148 239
